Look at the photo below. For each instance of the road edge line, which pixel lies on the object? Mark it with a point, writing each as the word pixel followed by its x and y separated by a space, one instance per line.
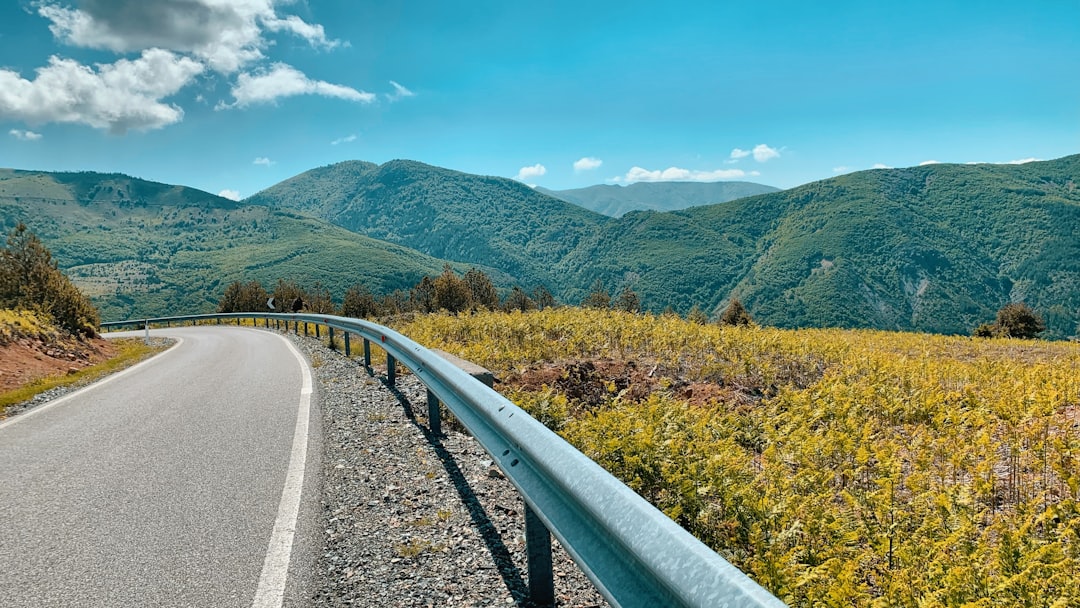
pixel 270 592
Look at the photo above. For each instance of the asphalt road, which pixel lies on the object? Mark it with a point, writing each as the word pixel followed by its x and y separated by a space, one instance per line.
pixel 164 486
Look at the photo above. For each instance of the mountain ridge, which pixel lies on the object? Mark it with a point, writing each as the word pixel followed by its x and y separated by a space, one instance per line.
pixel 616 200
pixel 934 248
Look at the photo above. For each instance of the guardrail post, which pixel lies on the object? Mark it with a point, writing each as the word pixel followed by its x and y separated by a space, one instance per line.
pixel 317 331
pixel 219 320
pixel 433 414
pixel 391 369
pixel 330 333
pixel 348 348
pixel 538 552
pixel 367 353
pixel 146 328
pixel 305 328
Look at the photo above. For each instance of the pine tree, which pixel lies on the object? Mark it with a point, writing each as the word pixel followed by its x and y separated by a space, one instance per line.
pixel 736 314
pixel 598 296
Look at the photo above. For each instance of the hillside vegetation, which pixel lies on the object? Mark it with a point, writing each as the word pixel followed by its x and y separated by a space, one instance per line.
pixel 617 201
pixel 489 221
pixel 937 248
pixel 835 467
pixel 140 248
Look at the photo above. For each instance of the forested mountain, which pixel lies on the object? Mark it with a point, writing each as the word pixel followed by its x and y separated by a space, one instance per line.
pixel 934 248
pixel 617 201
pixel 444 213
pixel 142 248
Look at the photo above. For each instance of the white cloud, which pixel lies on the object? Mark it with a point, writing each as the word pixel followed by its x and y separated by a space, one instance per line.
pixel 534 171
pixel 1023 161
pixel 24 135
pixel 676 174
pixel 929 162
pixel 880 166
pixel 224 34
pixel 286 81
pixel 587 163
pixel 841 169
pixel 232 195
pixel 344 140
pixel 763 153
pixel 399 93
pixel 738 153
pixel 119 96
pixel 262 160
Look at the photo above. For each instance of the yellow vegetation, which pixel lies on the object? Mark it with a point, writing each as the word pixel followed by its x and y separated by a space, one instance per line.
pixel 836 468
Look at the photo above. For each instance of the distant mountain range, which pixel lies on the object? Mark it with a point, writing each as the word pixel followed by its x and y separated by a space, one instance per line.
pixel 936 248
pixel 141 248
pixel 617 201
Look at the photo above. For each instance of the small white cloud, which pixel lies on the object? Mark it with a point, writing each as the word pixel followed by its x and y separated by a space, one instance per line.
pixel 841 169
pixel 738 153
pixel 1023 161
pixel 262 160
pixel 344 140
pixel 232 195
pixel 399 93
pixel 587 163
pixel 676 174
pixel 534 171
pixel 24 135
pixel 880 166
pixel 763 153
pixel 929 162
pixel 286 81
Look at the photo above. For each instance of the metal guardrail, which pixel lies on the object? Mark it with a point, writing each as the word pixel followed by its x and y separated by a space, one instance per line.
pixel 634 554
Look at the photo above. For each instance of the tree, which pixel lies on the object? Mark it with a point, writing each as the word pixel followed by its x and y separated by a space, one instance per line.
pixel 451 293
pixel 543 298
pixel 30 279
pixel 628 300
pixel 422 296
pixel 481 289
pixel 696 315
pixel 736 314
pixel 359 303
pixel 518 300
pixel 319 300
pixel 285 293
pixel 598 296
pixel 1014 320
pixel 244 297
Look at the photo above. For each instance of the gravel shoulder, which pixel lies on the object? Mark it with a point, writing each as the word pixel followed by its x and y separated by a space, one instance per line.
pixel 409 520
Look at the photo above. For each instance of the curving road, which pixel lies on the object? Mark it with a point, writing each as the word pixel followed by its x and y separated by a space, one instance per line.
pixel 175 483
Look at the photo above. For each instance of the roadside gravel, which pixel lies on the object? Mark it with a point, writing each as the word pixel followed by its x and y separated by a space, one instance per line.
pixel 410 521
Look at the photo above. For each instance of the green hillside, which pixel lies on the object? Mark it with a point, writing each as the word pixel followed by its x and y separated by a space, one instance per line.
pixel 447 214
pixel 141 248
pixel 937 248
pixel 617 201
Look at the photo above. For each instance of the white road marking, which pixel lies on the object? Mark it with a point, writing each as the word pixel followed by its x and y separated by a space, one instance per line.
pixel 271 590
pixel 55 402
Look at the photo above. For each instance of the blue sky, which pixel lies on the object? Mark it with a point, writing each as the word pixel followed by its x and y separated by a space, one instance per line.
pixel 235 95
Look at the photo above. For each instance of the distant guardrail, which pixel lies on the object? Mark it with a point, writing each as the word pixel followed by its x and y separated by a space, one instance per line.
pixel 634 554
